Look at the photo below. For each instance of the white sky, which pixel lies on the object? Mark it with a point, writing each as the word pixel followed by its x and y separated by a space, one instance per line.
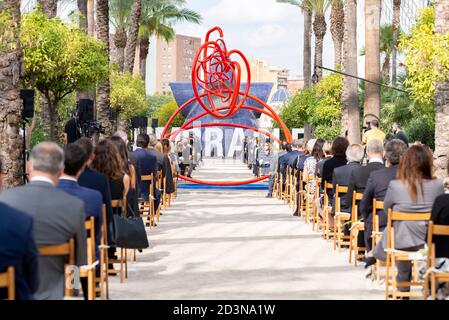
pixel 261 29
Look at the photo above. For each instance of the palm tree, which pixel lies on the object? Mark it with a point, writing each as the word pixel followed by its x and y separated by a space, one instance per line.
pixel 10 103
pixel 103 110
pixel 319 9
pixel 133 31
pixel 120 13
pixel 372 59
pixel 442 96
pixel 396 25
pixel 49 7
pixel 82 8
pixel 350 97
pixel 337 29
pixel 157 19
pixel 307 49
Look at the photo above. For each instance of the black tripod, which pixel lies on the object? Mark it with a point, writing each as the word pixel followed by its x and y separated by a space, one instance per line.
pixel 24 153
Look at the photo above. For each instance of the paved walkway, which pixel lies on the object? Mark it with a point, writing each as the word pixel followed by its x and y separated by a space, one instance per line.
pixel 238 245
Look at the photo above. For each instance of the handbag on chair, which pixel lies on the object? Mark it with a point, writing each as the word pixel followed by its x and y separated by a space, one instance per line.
pixel 129 232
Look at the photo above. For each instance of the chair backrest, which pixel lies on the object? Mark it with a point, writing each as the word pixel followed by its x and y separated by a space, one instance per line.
pixel 402 216
pixel 327 186
pixel 65 249
pixel 104 226
pixel 356 198
pixel 90 239
pixel 377 205
pixel 150 179
pixel 339 190
pixel 7 281
pixel 119 204
pixel 436 230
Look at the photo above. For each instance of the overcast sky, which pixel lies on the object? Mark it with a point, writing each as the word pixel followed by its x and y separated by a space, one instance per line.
pixel 262 29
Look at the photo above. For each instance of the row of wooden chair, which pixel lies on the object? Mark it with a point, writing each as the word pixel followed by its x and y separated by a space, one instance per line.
pixel 308 207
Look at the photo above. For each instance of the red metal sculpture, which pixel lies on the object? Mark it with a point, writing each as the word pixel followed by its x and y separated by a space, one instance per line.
pixel 218 76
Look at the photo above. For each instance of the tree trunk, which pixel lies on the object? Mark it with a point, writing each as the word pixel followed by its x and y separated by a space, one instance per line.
pixel 54 120
pixel 396 24
pixel 49 7
pixel 10 102
pixel 120 40
pixel 386 68
pixel 350 95
pixel 84 25
pixel 319 29
pixel 90 18
pixel 122 123
pixel 82 7
pixel 143 55
pixel 133 33
pixel 307 51
pixel 372 59
pixel 103 98
pixel 337 31
pixel 44 115
pixel 442 97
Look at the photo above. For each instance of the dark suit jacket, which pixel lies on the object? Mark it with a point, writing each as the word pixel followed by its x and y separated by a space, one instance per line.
pixel 135 161
pixel 329 166
pixel 95 180
pixel 376 188
pixel 18 249
pixel 92 203
pixel 285 160
pixel 341 176
pixel 58 217
pixel 148 165
pixel 358 181
pixel 440 215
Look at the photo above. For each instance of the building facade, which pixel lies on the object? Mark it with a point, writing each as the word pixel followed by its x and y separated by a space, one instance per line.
pixel 170 62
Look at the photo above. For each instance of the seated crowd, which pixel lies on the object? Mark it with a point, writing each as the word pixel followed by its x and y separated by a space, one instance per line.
pixel 386 170
pixel 66 188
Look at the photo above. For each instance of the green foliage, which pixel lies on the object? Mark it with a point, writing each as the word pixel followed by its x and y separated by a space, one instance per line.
pixel 156 101
pixel 128 94
pixel 164 113
pixel 59 59
pixel 319 106
pixel 7 27
pixel 426 57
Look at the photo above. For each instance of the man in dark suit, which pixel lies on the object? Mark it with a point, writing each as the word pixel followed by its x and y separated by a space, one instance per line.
pixel 18 249
pixel 58 217
pixel 135 161
pixel 149 165
pixel 74 163
pixel 341 175
pixel 359 177
pixel 97 181
pixel 377 185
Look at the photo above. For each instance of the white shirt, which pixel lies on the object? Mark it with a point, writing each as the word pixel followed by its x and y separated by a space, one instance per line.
pixel 374 160
pixel 68 178
pixel 42 179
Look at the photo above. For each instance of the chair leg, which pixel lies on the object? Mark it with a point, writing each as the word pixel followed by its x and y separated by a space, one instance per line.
pixel 387 277
pixel 433 286
pixel 335 233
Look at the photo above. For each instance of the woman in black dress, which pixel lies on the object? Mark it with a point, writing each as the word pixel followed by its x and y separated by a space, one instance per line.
pixel 108 161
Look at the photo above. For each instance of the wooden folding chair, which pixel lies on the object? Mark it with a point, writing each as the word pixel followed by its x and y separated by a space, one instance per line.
pixel 309 198
pixel 64 249
pixel 159 178
pixel 286 191
pixel 147 207
pixel 123 259
pixel 275 183
pixel 8 282
pixel 103 280
pixel 432 276
pixel 340 218
pixel 394 256
pixel 327 210
pixel 88 271
pixel 375 238
pixel 316 219
pixel 356 227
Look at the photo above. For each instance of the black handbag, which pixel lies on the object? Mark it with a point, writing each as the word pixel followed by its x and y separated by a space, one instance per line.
pixel 129 232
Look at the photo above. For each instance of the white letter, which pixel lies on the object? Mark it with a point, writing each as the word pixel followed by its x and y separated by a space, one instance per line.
pixel 236 142
pixel 215 142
